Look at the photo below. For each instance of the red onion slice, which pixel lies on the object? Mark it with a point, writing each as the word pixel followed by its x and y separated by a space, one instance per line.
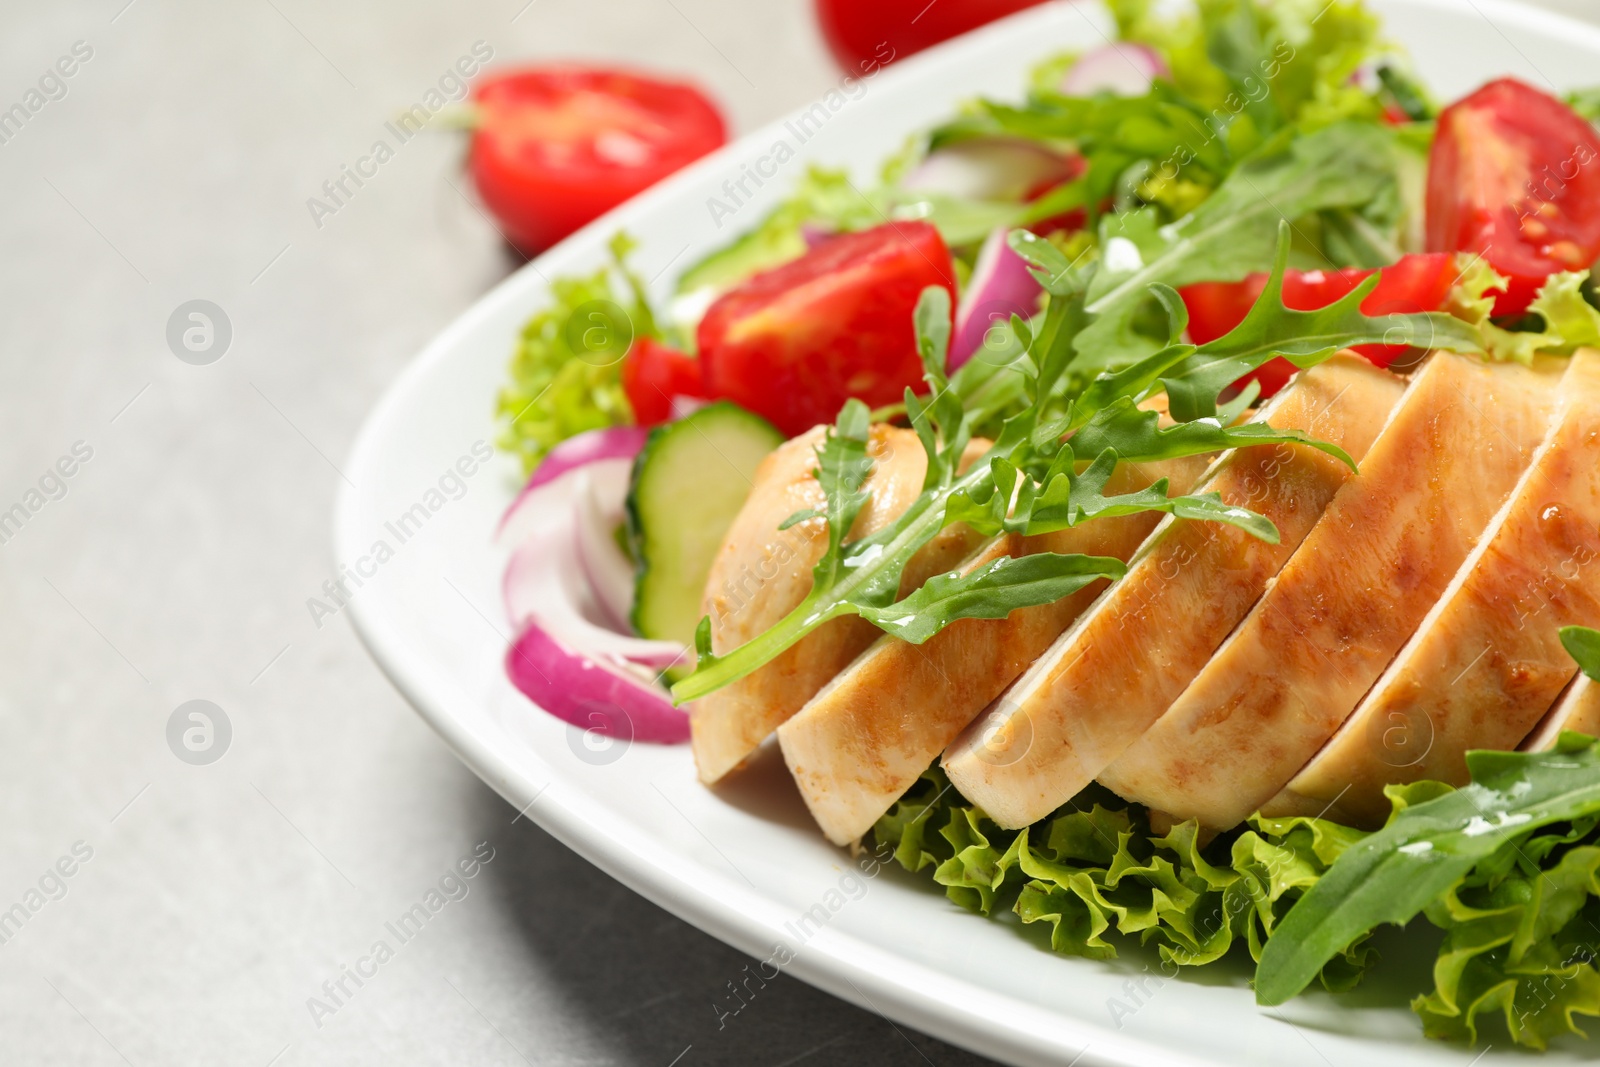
pixel 814 233
pixel 1001 286
pixel 591 693
pixel 597 507
pixel 1123 69
pixel 544 584
pixel 534 506
pixel 989 168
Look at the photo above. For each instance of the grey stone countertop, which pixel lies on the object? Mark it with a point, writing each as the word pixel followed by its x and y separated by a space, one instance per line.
pixel 185 914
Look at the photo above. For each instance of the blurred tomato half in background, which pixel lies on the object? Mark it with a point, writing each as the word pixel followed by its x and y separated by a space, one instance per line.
pixel 866 34
pixel 556 147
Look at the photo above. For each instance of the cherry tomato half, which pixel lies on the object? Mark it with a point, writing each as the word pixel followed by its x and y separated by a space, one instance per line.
pixel 794 343
pixel 655 374
pixel 867 34
pixel 1415 283
pixel 1514 174
pixel 556 147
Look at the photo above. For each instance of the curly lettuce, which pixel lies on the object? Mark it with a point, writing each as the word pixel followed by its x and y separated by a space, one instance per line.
pixel 555 392
pixel 1520 945
pixel 1096 870
pixel 823 199
pixel 1561 319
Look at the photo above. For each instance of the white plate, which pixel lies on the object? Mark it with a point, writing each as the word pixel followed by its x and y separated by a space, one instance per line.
pixel 745 863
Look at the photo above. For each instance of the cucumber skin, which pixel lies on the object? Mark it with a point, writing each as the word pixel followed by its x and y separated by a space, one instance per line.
pixel 661 438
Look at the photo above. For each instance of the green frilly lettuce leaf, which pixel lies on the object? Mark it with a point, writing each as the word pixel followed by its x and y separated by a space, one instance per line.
pixel 1098 873
pixel 556 392
pixel 1520 945
pixel 1560 321
pixel 823 197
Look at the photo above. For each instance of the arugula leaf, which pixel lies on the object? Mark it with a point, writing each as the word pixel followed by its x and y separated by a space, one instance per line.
pixel 1583 645
pixel 842 468
pixel 1232 233
pixel 1137 433
pixel 1162 131
pixel 1305 338
pixel 991 591
pixel 1063 499
pixel 1426 848
pixel 941 422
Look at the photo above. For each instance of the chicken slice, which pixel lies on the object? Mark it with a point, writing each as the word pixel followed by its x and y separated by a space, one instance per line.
pixel 761 573
pixel 1486 663
pixel 1578 710
pixel 1131 653
pixel 866 737
pixel 1355 590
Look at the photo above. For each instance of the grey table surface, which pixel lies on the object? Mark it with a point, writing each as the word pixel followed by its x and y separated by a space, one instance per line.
pixel 207 905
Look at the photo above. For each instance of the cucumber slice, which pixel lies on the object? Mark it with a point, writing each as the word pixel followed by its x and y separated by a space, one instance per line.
pixel 689 482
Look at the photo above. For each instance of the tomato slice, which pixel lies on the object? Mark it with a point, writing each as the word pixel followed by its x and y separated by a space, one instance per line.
pixel 556 147
pixel 1513 175
pixel 1416 283
pixel 655 374
pixel 864 36
pixel 794 343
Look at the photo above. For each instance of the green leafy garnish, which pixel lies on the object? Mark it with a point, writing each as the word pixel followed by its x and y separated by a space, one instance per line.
pixel 1586 102
pixel 566 374
pixel 1561 319
pixel 1408 94
pixel 992 591
pixel 1287 62
pixel 1583 645
pixel 1096 869
pixel 823 197
pixel 1013 502
pixel 1230 235
pixel 1519 943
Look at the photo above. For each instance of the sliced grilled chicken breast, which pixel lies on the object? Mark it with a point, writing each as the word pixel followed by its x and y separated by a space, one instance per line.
pixel 761 574
pixel 1355 590
pixel 865 737
pixel 1486 663
pixel 1125 659
pixel 1578 710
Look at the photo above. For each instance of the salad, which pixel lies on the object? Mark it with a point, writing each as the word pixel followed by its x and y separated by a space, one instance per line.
pixel 1166 508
